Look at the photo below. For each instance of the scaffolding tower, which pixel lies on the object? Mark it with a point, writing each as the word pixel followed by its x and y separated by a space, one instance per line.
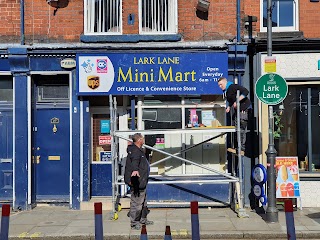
pixel 237 189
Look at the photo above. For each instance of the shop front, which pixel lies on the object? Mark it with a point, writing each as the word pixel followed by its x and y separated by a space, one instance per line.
pixel 39 128
pixel 55 122
pixel 6 130
pixel 156 92
pixel 297 117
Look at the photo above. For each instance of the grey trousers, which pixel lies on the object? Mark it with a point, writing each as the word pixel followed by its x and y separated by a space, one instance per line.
pixel 138 208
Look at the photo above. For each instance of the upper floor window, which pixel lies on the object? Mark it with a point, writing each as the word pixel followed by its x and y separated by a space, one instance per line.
pixel 158 16
pixel 102 16
pixel 284 15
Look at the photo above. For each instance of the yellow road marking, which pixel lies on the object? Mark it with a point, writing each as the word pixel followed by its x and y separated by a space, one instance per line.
pixel 35 235
pixel 183 232
pixel 23 235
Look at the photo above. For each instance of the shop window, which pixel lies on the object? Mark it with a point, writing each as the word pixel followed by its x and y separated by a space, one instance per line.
pixel 6 89
pixel 101 138
pixel 102 16
pixel 171 118
pixel 158 16
pixel 284 15
pixel 296 130
pixel 204 117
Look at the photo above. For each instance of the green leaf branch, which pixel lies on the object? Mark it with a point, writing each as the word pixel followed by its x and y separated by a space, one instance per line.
pixel 277 125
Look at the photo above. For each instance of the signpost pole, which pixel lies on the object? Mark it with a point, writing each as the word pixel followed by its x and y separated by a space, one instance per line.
pixel 272 211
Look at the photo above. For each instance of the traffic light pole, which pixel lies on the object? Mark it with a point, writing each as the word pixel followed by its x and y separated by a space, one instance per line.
pixel 272 211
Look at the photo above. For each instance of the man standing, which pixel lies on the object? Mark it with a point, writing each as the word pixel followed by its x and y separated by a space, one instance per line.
pixel 139 170
pixel 230 93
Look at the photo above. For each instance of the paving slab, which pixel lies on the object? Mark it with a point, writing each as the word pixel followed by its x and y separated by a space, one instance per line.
pixel 215 223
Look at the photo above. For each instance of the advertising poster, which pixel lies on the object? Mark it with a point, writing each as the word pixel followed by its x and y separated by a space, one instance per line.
pixel 105 156
pixel 287 182
pixel 104 140
pixel 104 126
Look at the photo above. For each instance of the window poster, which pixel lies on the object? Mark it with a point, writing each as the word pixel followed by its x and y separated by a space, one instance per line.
pixel 207 117
pixel 287 182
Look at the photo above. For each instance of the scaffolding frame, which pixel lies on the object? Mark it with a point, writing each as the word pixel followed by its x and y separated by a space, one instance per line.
pixel 117 180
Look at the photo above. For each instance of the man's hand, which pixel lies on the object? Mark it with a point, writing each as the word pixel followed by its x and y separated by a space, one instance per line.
pixel 227 109
pixel 234 105
pixel 135 173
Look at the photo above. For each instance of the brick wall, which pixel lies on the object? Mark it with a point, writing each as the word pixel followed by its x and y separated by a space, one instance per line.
pixel 308 16
pixel 67 25
pixel 130 7
pixel 40 23
pixel 252 8
pixel 221 23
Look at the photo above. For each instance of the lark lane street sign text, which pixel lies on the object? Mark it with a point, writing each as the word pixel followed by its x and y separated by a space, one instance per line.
pixel 271 89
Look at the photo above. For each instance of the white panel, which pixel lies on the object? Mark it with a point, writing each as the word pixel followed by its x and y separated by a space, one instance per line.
pixel 310 194
pixel 208 157
pixel 295 65
pixel 173 145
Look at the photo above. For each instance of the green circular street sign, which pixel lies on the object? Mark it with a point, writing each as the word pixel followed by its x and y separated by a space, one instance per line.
pixel 271 89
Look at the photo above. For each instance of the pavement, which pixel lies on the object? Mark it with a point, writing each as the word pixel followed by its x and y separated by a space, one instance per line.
pixel 60 222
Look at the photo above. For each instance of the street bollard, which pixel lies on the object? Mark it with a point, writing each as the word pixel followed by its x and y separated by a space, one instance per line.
pixel 98 221
pixel 167 235
pixel 143 235
pixel 288 208
pixel 195 221
pixel 4 231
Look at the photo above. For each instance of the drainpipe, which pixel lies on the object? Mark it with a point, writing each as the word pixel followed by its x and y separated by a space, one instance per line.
pixel 22 22
pixel 238 40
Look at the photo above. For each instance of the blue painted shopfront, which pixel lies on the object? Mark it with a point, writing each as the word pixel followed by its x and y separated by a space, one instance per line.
pixel 172 73
pixel 6 152
pixel 177 73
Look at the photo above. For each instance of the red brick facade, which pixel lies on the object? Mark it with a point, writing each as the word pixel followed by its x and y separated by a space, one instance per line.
pixel 308 16
pixel 41 25
pixel 67 25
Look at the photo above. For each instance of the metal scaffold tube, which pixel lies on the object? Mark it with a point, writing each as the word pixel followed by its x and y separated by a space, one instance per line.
pixel 161 179
pixel 240 188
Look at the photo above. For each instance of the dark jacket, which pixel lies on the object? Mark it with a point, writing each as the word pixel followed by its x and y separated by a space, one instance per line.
pixel 138 162
pixel 231 95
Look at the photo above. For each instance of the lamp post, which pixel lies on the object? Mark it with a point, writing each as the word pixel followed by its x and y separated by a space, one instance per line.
pixel 271 211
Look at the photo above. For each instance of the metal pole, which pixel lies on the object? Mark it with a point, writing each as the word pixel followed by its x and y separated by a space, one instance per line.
pixel 112 152
pixel 272 211
pixel 22 40
pixel 309 131
pixel 180 158
pixel 240 159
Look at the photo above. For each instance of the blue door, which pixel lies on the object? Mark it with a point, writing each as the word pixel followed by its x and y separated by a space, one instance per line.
pixel 6 154
pixel 51 154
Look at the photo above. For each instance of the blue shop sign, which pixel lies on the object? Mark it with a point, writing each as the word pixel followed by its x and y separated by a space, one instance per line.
pixel 105 126
pixel 151 73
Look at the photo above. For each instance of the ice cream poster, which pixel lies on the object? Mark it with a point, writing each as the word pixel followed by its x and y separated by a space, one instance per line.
pixel 287 182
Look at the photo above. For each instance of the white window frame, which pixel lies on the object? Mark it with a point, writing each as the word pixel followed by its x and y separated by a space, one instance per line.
pixel 293 28
pixel 173 16
pixel 87 30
